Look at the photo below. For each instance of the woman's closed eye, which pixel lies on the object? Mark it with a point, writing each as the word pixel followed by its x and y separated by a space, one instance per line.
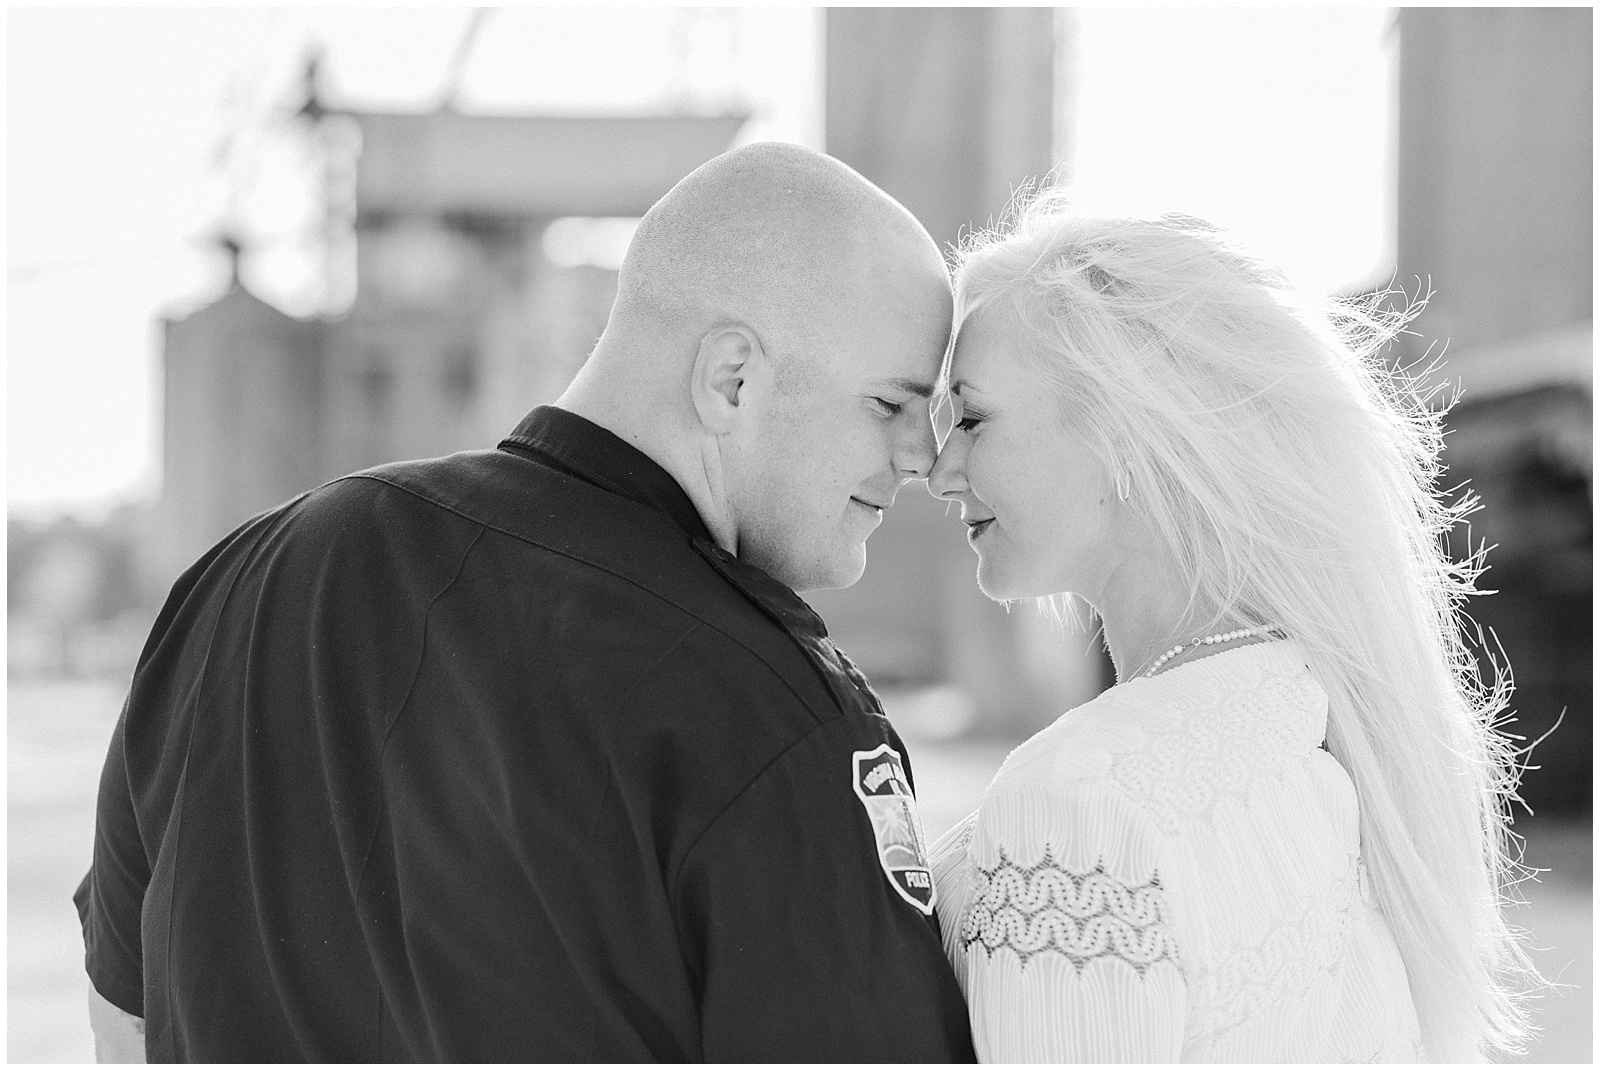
pixel 969 419
pixel 886 407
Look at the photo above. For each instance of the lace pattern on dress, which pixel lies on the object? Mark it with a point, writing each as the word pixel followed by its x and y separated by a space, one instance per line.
pixel 1083 917
pixel 1219 749
pixel 1293 952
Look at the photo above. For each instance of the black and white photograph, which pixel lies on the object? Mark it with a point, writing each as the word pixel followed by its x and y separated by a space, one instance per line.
pixel 799 535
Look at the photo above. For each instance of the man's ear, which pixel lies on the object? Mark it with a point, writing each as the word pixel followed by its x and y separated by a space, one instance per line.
pixel 729 353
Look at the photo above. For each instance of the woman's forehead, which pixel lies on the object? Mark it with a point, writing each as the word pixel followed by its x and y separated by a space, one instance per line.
pixel 984 335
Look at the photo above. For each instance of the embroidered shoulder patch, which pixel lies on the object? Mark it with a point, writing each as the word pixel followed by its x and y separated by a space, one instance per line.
pixel 880 782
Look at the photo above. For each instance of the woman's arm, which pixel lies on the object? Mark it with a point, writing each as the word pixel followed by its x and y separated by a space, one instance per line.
pixel 1070 951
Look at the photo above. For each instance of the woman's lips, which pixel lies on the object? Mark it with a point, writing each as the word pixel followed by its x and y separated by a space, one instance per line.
pixel 977 528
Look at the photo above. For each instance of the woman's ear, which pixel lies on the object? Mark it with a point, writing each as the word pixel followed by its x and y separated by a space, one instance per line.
pixel 728 354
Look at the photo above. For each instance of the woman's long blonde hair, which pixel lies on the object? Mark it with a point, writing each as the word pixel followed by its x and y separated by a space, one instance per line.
pixel 1290 473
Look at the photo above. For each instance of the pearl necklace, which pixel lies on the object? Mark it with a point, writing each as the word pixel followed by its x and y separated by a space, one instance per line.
pixel 1221 637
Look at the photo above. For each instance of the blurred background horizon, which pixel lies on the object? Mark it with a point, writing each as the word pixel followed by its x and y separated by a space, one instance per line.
pixel 202 120
pixel 252 249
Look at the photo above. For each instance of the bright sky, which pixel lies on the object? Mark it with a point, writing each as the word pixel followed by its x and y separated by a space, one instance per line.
pixel 1273 123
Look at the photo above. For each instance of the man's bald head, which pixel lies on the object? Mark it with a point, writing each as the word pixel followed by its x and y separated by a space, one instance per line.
pixel 778 328
pixel 775 236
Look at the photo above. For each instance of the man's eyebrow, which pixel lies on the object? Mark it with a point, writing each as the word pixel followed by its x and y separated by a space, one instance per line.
pixel 912 386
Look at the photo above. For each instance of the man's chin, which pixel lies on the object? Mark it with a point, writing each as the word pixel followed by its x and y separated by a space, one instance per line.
pixel 842 572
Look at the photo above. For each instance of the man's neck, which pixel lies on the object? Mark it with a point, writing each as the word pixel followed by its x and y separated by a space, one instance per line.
pixel 696 468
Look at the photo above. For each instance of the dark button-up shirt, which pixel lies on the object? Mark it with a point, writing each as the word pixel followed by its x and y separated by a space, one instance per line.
pixel 499 757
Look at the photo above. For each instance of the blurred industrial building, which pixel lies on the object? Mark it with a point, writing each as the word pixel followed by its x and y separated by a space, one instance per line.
pixel 449 319
pixel 457 321
pixel 1496 214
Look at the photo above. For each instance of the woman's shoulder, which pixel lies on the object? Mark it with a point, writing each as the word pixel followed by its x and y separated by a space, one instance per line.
pixel 1054 801
pixel 1166 747
pixel 1078 748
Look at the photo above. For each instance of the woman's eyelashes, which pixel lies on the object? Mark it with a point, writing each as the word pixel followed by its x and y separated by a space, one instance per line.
pixel 886 407
pixel 970 418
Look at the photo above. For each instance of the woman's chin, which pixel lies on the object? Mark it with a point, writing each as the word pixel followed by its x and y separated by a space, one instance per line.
pixel 994 583
pixel 1005 585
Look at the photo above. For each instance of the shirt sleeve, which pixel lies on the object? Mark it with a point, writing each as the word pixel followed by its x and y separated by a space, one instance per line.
pixel 1070 954
pixel 110 899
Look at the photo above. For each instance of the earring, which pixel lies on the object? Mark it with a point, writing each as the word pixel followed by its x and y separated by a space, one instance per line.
pixel 1124 485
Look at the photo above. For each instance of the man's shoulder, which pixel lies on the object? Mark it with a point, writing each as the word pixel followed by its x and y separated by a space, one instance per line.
pixel 531 506
pixel 623 576
pixel 482 487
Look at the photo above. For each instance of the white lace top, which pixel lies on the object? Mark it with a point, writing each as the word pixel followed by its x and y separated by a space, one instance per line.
pixel 1172 872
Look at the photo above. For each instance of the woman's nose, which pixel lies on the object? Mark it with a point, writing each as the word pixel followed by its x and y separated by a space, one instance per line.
pixel 948 476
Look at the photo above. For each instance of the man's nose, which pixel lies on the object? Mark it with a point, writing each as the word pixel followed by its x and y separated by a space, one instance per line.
pixel 916 451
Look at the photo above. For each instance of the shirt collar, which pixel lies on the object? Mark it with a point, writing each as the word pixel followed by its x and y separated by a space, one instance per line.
pixel 584 449
pixel 779 602
pixel 772 595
